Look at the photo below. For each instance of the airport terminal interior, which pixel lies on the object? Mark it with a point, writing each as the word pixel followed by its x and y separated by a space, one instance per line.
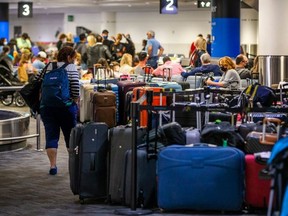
pixel 27 188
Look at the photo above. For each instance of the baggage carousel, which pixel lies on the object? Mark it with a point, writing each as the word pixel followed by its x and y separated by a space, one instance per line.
pixel 14 129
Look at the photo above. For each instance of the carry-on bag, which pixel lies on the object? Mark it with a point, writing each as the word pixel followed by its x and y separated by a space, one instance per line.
pixel 200 177
pixel 146 156
pixel 140 93
pixel 103 107
pixel 192 135
pixel 120 142
pixel 124 87
pixel 257 180
pixel 262 141
pixel 88 150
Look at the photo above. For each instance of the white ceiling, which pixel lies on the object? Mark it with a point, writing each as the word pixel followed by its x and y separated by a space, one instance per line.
pixel 92 6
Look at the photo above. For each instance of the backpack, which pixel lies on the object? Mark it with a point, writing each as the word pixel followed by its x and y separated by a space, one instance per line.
pixel 55 87
pixel 261 94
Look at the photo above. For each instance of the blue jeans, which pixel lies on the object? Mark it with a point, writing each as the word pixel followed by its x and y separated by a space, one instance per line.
pixel 54 119
pixel 152 61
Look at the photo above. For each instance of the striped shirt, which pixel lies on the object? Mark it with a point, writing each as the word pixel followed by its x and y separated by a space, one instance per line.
pixel 73 77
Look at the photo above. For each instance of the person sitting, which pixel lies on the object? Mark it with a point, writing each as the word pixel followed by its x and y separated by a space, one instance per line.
pixel 39 62
pixel 205 68
pixel 143 57
pixel 175 68
pixel 241 64
pixel 230 78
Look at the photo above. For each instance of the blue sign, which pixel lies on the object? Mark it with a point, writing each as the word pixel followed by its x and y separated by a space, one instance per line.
pixel 168 6
pixel 4 29
pixel 226 37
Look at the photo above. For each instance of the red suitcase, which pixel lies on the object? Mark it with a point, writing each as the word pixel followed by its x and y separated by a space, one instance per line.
pixel 138 92
pixel 257 183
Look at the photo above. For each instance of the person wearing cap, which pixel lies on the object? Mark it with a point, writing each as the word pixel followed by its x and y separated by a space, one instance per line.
pixel 106 41
pixel 39 62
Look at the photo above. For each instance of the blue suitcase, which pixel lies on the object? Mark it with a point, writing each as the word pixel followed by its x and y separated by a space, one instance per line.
pixel 200 177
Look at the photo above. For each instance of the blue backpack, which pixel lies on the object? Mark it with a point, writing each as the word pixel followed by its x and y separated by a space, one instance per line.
pixel 55 88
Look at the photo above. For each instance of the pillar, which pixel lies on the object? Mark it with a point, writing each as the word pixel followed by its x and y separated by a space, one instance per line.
pixel 273 46
pixel 108 21
pixel 225 28
pixel 4 20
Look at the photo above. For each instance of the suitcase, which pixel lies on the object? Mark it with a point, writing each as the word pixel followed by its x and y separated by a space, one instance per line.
pixel 139 92
pixel 245 128
pixel 262 141
pixel 222 134
pixel 85 106
pixel 124 87
pixel 192 135
pixel 104 107
pixel 120 142
pixel 166 85
pixel 200 177
pixel 146 179
pixel 257 182
pixel 256 117
pixel 88 149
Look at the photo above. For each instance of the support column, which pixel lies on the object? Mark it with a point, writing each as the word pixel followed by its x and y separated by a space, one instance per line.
pixel 108 21
pixel 4 20
pixel 273 46
pixel 225 28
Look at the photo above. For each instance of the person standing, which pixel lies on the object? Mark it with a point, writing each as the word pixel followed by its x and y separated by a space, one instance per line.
pixel 106 40
pixel 24 42
pixel 64 118
pixel 95 51
pixel 153 49
pixel 81 47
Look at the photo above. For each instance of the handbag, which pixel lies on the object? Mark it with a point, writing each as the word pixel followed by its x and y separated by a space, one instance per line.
pixel 31 92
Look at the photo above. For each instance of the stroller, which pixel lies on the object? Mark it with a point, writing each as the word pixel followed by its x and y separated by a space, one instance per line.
pixel 278 169
pixel 8 97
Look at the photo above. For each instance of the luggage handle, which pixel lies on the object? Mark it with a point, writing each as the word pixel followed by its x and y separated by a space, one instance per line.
pixel 167 75
pixel 269 139
pixel 96 68
pixel 147 73
pixel 201 145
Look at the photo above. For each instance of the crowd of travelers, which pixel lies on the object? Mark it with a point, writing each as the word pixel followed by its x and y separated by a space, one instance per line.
pixel 120 57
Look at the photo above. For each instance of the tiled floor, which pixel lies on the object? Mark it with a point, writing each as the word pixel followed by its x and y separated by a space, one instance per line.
pixel 27 189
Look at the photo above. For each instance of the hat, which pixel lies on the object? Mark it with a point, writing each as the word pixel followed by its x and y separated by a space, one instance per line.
pixel 105 31
pixel 42 54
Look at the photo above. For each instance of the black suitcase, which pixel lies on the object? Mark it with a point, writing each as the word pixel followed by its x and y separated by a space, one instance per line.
pixel 88 150
pixel 262 141
pixel 120 142
pixel 146 179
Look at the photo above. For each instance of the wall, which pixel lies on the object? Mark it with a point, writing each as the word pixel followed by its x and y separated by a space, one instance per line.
pixel 175 32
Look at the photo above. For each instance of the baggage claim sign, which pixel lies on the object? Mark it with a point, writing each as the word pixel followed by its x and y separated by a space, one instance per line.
pixel 25 9
pixel 168 6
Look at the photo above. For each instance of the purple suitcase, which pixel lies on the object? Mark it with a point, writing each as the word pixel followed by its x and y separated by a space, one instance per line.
pixel 192 135
pixel 124 87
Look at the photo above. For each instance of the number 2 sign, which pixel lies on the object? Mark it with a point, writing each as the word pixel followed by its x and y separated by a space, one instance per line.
pixel 168 6
pixel 25 9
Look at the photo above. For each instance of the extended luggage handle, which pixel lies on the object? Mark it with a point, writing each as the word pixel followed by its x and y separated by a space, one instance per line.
pixel 269 139
pixel 147 73
pixel 167 71
pixel 96 74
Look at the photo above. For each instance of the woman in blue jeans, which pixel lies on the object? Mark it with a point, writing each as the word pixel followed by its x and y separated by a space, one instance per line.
pixel 65 118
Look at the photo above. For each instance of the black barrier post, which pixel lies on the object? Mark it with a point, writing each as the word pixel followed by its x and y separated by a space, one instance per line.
pixel 133 210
